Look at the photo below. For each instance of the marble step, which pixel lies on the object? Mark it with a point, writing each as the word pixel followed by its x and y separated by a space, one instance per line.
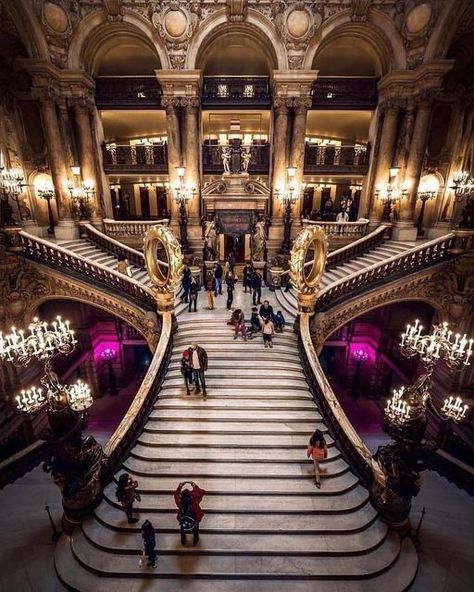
pixel 246 521
pixel 145 452
pixel 184 469
pixel 215 344
pixel 304 503
pixel 214 381
pixel 372 562
pixel 243 352
pixel 312 545
pixel 249 427
pixel 256 374
pixel 222 394
pixel 236 404
pixel 225 439
pixel 245 415
pixel 336 485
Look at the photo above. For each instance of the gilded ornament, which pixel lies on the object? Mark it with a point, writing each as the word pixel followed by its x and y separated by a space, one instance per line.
pixel 55 17
pixel 305 276
pixel 165 275
pixel 418 18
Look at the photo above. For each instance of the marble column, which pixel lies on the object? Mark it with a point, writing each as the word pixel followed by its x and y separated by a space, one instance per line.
pixel 86 153
pixel 56 158
pixel 191 154
pixel 298 134
pixel 174 148
pixel 66 131
pixel 388 137
pixel 280 153
pixel 415 159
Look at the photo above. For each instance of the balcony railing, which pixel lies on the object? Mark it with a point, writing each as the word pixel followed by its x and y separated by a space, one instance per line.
pixel 344 93
pixel 352 230
pixel 236 91
pixel 127 92
pixel 212 162
pixel 336 159
pixel 123 158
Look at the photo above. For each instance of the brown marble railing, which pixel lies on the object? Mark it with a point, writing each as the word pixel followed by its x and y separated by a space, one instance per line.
pixel 358 247
pixel 410 261
pixel 352 446
pixel 58 258
pixel 341 229
pixel 112 246
pixel 128 430
pixel 129 228
pixel 122 158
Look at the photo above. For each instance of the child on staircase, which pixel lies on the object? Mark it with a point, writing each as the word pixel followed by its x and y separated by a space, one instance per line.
pixel 318 451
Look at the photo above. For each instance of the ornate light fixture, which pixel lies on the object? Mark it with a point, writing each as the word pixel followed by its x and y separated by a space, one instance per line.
pixel 463 185
pixel 397 410
pixel 182 194
pixel 360 356
pixel 427 190
pixel 109 354
pixel 81 193
pixel 46 192
pixel 390 192
pixel 11 187
pixel 453 408
pixel 43 343
pixel 288 195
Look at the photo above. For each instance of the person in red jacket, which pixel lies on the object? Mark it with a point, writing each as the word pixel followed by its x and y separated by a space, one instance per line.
pixel 318 451
pixel 189 513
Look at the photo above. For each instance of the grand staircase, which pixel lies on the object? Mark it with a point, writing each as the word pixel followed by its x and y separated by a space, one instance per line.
pixel 266 525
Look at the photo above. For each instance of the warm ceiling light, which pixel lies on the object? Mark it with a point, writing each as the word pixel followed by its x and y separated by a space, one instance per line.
pixel 76 170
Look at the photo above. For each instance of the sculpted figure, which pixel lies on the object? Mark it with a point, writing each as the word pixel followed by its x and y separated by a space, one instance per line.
pixel 259 239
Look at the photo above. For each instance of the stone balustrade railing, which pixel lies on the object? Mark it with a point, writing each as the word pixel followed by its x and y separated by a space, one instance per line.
pixel 126 433
pixel 58 258
pixel 358 247
pixel 129 228
pixel 427 254
pixel 341 229
pixel 341 429
pixel 112 246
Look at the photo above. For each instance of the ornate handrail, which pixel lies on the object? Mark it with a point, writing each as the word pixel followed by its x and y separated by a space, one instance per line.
pixel 341 428
pixel 358 247
pixel 410 261
pixel 335 159
pixel 239 91
pixel 58 258
pixel 127 92
pixel 128 430
pixel 344 92
pixel 129 228
pixel 151 158
pixel 112 246
pixel 340 229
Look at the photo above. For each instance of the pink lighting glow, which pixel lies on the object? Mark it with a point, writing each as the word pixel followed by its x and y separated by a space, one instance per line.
pixel 103 346
pixel 363 347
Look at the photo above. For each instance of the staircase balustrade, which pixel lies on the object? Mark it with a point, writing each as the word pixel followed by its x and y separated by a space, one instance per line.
pixel 138 158
pixel 358 247
pixel 131 425
pixel 425 255
pixel 129 228
pixel 341 229
pixel 112 246
pixel 54 256
pixel 336 159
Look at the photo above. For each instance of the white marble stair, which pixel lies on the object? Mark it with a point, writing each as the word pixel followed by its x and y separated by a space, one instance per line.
pixel 266 528
pixel 287 300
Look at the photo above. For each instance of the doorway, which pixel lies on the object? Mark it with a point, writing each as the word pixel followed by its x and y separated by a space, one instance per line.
pixel 235 244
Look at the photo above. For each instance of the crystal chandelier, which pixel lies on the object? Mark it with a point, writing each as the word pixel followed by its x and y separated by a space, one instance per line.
pixel 463 185
pixel 397 410
pixel 440 344
pixel 360 356
pixel 42 342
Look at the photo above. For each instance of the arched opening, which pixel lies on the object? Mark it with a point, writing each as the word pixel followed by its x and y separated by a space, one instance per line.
pixel 348 56
pixel 233 54
pixel 363 363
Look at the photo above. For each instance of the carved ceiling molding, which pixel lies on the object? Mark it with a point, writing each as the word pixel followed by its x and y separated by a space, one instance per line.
pixel 24 286
pixel 449 288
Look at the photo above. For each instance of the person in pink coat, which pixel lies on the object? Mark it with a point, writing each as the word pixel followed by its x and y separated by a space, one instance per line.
pixel 318 451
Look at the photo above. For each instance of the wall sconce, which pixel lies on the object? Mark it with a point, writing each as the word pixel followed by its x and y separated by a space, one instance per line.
pixel 45 191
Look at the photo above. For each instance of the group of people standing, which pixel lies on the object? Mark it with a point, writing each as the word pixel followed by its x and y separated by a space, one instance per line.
pixel 262 320
pixel 187 496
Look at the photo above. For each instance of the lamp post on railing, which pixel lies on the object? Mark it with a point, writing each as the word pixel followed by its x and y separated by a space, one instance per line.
pixel 109 355
pixel 288 196
pixel 182 194
pixel 81 193
pixel 425 193
pixel 390 192
pixel 463 185
pixel 11 187
pixel 46 192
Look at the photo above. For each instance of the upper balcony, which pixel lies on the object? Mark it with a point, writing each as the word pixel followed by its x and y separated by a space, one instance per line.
pixel 148 158
pixel 213 156
pixel 329 159
pixel 342 92
pixel 127 92
pixel 238 92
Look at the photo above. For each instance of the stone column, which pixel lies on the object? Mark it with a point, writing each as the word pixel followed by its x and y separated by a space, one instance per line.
pixel 280 153
pixel 174 148
pixel 66 132
pixel 388 137
pixel 192 147
pixel 298 134
pixel 86 153
pixel 66 227
pixel 404 228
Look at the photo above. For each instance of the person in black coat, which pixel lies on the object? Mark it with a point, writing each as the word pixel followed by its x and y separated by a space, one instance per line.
pixel 256 288
pixel 149 543
pixel 193 294
pixel 247 277
pixel 230 280
pixel 266 311
pixel 186 283
pixel 218 273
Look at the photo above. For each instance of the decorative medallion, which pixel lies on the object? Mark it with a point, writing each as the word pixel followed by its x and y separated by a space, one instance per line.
pixel 55 18
pixel 418 18
pixel 298 23
pixel 175 23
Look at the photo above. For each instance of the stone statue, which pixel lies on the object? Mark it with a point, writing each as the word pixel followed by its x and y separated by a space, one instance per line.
pixel 210 240
pixel 226 158
pixel 259 239
pixel 246 157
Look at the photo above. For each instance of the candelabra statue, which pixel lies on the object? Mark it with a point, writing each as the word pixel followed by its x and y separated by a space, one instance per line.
pixel 406 411
pixel 74 461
